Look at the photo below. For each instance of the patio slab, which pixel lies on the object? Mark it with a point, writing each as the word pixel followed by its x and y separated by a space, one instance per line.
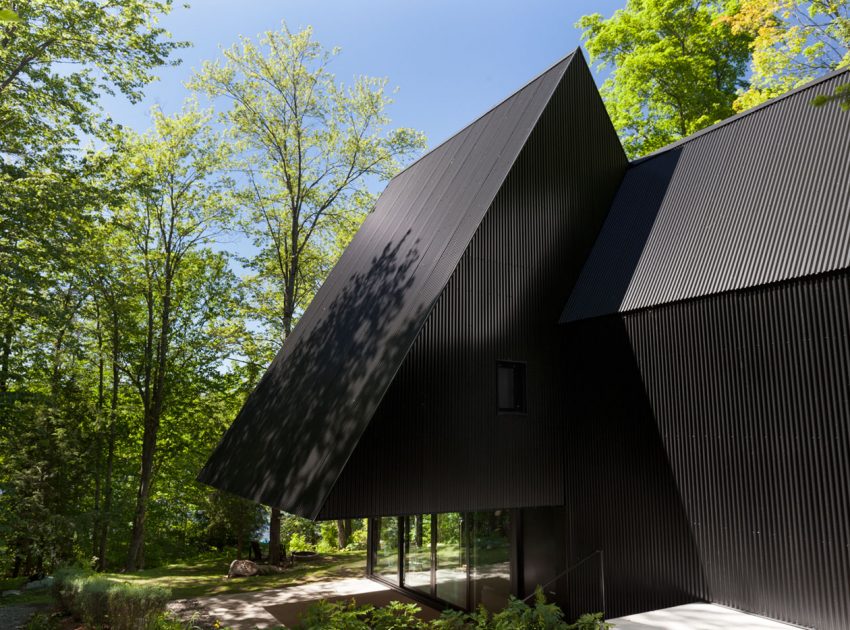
pixel 245 611
pixel 697 617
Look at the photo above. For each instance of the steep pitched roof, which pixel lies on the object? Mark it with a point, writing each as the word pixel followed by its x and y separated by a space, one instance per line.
pixel 298 428
pixel 759 198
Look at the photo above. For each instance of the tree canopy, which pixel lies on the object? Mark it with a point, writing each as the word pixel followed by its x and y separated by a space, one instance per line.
pixel 130 332
pixel 675 68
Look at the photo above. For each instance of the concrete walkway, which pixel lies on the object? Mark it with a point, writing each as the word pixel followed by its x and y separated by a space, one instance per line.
pixel 245 611
pixel 697 617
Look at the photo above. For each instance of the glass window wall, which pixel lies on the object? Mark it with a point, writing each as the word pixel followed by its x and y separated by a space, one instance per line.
pixel 385 554
pixel 462 559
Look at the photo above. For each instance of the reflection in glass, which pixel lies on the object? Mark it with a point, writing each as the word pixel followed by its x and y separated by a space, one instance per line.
pixel 451 559
pixel 417 553
pixel 491 559
pixel 385 560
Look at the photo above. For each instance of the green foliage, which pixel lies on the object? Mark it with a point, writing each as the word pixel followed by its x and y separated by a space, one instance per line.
pixel 308 146
pixel 7 15
pixel 58 57
pixel 298 542
pixel 359 536
pixel 841 95
pixel 97 600
pixel 794 41
pixel 349 615
pixel 676 67
pixel 517 615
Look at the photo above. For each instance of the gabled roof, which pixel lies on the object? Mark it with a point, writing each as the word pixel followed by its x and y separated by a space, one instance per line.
pixel 759 198
pixel 298 428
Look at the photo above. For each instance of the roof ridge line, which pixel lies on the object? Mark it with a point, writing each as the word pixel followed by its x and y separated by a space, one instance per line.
pixel 740 115
pixel 490 109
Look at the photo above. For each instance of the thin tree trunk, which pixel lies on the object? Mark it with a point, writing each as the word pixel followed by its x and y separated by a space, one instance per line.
pixel 98 516
pixel 274 537
pixel 418 534
pixel 343 529
pixel 274 520
pixel 6 352
pixel 152 420
pixel 110 449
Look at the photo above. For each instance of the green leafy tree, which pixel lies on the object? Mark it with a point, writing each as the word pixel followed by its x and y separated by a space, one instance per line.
pixel 675 67
pixel 308 148
pixel 793 43
pixel 57 57
pixel 176 204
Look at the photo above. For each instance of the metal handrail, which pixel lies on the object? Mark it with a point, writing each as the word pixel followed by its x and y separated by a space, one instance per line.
pixel 568 570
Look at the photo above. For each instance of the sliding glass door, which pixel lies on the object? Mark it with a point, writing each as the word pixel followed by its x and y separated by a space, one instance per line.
pixel 418 575
pixel 385 553
pixel 490 547
pixel 452 573
pixel 458 558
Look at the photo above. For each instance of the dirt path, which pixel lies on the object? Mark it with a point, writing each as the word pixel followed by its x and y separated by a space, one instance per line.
pixel 15 616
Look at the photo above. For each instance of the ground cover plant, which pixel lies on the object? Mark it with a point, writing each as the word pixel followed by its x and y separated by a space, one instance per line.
pixel 517 615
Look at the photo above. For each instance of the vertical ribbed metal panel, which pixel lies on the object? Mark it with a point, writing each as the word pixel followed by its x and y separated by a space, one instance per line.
pixel 437 443
pixel 710 451
pixel 761 198
pixel 300 425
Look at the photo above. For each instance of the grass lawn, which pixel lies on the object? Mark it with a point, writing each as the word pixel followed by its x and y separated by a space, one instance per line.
pixel 207 577
pixel 40 596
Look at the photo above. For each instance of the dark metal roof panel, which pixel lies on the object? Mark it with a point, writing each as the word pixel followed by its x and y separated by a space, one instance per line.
pixel 299 426
pixel 762 198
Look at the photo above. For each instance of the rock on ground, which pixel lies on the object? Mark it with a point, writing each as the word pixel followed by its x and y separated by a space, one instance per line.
pixel 242 568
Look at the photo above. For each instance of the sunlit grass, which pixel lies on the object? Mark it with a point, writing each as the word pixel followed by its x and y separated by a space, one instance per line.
pixel 208 576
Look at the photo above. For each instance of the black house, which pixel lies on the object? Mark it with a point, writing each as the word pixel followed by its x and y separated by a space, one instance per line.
pixel 540 363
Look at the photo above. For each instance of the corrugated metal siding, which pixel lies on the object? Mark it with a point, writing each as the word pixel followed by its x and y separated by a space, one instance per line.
pixel 436 443
pixel 762 198
pixel 300 425
pixel 711 459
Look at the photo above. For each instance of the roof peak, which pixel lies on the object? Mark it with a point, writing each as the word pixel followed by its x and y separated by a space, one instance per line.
pixel 563 60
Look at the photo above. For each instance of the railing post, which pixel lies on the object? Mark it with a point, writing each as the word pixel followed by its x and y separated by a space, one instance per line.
pixel 602 582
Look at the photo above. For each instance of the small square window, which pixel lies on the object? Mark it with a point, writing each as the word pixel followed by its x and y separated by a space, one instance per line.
pixel 511 386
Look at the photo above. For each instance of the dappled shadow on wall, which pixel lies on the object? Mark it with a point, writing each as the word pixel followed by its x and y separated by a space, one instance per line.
pixel 299 426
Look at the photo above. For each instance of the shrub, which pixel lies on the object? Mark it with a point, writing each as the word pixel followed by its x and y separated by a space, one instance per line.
pixel 357 541
pixel 330 616
pixel 97 600
pixel 92 600
pixel 298 542
pixel 517 615
pixel 127 604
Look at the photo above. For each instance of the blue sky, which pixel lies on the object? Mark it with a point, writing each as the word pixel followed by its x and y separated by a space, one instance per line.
pixel 451 60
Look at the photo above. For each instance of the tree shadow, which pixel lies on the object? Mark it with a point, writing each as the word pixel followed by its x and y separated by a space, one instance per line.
pixel 298 427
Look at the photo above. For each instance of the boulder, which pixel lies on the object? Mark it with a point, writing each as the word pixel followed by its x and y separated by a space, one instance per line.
pixel 37 584
pixel 268 569
pixel 242 568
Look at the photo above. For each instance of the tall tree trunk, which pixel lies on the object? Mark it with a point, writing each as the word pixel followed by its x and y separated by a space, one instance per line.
pixel 274 537
pixel 110 449
pixel 98 516
pixel 151 427
pixel 6 350
pixel 343 532
pixel 274 520
pixel 418 533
